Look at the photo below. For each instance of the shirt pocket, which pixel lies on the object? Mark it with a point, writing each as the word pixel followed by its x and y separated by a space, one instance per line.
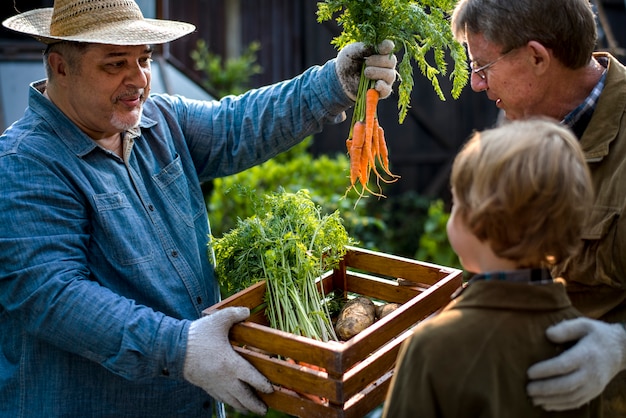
pixel 600 259
pixel 599 223
pixel 186 202
pixel 120 230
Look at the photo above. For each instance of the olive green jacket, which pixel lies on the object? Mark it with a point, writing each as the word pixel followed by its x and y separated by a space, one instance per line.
pixel 596 280
pixel 470 361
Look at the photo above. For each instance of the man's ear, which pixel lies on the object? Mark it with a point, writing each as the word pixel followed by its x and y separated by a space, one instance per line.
pixel 58 65
pixel 540 55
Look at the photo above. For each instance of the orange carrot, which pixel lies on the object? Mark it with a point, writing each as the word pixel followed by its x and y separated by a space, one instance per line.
pixel 356 151
pixel 375 140
pixel 366 144
pixel 383 156
pixel 371 101
pixel 312 366
pixel 384 153
pixel 374 154
pixel 349 146
pixel 365 158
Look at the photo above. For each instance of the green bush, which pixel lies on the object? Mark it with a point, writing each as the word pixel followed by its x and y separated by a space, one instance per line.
pixel 403 216
pixel 433 244
pixel 324 177
pixel 230 76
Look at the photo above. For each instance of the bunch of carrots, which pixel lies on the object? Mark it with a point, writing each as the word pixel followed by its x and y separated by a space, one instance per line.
pixel 366 144
pixel 421 30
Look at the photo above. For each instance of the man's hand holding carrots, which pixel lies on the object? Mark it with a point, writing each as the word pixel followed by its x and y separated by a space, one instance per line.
pixel 380 66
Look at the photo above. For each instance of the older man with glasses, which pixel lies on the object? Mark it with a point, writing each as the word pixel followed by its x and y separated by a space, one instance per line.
pixel 536 58
pixel 481 70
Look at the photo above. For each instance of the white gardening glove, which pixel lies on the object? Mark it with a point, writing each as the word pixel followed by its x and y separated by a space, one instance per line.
pixel 581 373
pixel 212 364
pixel 380 67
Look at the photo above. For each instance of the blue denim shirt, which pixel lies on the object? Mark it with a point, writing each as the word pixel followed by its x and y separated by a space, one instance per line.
pixel 103 260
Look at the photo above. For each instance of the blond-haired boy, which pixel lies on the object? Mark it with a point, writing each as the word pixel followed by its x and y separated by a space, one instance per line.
pixel 520 193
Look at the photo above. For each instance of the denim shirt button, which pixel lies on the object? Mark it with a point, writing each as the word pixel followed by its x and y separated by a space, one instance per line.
pixel 151 208
pixel 165 372
pixel 199 300
pixel 174 253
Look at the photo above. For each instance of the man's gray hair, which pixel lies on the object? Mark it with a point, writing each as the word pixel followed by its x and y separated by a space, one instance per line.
pixel 567 27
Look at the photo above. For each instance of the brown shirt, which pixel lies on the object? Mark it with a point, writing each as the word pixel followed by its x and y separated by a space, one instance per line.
pixel 596 279
pixel 471 359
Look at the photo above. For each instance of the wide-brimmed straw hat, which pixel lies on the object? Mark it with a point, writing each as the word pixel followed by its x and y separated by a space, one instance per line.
pixel 116 22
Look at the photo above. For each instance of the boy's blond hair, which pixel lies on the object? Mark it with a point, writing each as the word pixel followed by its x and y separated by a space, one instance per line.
pixel 525 188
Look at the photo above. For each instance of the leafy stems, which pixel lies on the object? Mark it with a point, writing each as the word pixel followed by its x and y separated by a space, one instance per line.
pixel 289 244
pixel 358 115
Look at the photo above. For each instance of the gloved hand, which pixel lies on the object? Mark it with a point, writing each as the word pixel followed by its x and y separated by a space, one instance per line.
pixel 212 364
pixel 380 67
pixel 582 372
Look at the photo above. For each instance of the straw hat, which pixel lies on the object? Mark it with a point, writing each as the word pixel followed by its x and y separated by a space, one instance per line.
pixel 116 22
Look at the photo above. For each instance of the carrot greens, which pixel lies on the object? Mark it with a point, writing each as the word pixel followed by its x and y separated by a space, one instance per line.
pixel 290 244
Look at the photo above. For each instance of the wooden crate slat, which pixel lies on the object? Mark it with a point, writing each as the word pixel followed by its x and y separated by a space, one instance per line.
pixel 369 398
pixel 283 373
pixel 250 298
pixel 356 407
pixel 370 369
pixel 382 289
pixel 323 354
pixel 299 406
pixel 394 266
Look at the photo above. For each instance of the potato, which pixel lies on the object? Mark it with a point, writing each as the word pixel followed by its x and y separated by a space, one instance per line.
pixel 356 315
pixel 386 309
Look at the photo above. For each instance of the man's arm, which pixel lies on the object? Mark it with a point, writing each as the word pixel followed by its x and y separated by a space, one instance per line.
pixel 581 373
pixel 239 132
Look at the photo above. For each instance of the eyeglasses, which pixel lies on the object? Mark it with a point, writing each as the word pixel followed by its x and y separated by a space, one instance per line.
pixel 480 71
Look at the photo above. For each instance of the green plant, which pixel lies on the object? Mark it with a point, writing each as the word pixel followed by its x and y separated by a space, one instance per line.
pixel 404 216
pixel 289 243
pixel 433 244
pixel 296 169
pixel 231 76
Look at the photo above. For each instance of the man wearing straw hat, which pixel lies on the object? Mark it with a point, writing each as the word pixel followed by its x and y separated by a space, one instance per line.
pixel 103 268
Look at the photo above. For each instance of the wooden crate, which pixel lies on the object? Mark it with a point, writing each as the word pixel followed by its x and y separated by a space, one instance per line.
pixel 357 372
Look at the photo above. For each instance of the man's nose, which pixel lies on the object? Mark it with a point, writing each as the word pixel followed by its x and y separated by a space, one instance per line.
pixel 138 75
pixel 477 83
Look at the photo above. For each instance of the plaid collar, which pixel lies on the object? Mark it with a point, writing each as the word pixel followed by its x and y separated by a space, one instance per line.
pixel 586 108
pixel 530 276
